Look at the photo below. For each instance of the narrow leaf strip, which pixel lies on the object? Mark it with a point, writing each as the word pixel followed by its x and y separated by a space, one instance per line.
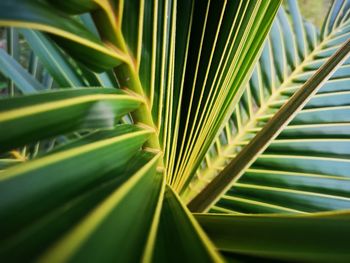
pixel 13 51
pixel 54 60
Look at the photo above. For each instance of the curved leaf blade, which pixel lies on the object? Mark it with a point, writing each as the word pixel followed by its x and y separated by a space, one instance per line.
pixel 68 32
pixel 37 179
pixel 59 112
pixel 87 241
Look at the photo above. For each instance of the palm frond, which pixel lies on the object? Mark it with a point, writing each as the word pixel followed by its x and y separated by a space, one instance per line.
pixel 128 97
pixel 153 51
pixel 291 155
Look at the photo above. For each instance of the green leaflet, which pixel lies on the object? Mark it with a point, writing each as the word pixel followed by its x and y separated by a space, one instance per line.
pixel 104 79
pixel 13 70
pixel 320 237
pixel 31 118
pixel 53 59
pixel 13 51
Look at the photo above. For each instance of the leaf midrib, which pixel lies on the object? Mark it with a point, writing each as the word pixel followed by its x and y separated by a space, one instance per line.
pixel 238 140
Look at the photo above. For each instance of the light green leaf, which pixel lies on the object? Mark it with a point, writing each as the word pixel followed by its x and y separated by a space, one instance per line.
pixel 25 82
pixel 53 59
pixel 13 50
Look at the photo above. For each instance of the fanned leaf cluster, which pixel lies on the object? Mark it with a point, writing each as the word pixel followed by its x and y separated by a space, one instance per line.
pixel 122 112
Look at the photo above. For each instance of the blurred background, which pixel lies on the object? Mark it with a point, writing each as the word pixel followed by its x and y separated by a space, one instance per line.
pixel 315 10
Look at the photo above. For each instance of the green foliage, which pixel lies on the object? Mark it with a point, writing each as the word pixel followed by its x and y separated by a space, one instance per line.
pixel 129 110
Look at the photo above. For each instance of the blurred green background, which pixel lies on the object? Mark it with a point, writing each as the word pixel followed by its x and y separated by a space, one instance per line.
pixel 315 10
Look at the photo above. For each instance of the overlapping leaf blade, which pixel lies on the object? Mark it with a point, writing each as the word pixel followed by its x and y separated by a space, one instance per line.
pixel 117 217
pixel 72 35
pixel 55 113
pixel 316 238
pixel 221 53
pixel 64 73
pixel 29 242
pixel 12 69
pixel 97 154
